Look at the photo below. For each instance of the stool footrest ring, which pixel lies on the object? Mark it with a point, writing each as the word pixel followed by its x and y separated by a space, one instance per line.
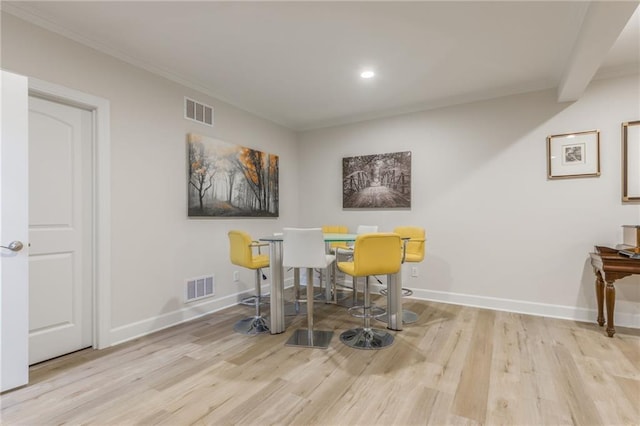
pixel 359 311
pixel 408 317
pixel 405 292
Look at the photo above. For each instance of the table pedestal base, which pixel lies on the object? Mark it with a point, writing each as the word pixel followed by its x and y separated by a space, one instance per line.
pixel 310 338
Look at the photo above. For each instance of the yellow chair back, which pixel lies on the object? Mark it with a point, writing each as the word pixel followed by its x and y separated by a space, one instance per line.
pixel 241 251
pixel 416 243
pixel 336 229
pixel 374 254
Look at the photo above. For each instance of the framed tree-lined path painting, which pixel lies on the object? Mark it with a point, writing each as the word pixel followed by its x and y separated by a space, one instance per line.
pixel 377 181
pixel 227 180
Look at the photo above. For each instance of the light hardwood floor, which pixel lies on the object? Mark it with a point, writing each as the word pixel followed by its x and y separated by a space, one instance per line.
pixel 457 365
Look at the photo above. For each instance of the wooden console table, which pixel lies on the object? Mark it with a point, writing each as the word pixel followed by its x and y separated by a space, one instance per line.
pixel 609 266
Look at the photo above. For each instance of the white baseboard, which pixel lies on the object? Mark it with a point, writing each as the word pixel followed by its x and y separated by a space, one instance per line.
pixel 187 313
pixel 150 325
pixel 573 313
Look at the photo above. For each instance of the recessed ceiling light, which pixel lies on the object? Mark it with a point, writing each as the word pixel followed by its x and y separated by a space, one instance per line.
pixel 367 74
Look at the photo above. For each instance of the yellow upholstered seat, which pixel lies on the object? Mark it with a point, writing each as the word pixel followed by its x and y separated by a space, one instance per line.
pixel 378 253
pixel 336 229
pixel 414 252
pixel 241 253
pixel 347 252
pixel 373 254
pixel 415 245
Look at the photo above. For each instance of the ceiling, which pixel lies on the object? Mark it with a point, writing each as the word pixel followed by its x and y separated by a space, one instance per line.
pixel 298 63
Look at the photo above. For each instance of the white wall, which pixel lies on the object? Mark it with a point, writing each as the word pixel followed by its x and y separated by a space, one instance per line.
pixel 155 247
pixel 499 234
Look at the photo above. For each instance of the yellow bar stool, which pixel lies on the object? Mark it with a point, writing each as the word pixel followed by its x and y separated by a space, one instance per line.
pixel 414 253
pixel 336 229
pixel 332 248
pixel 342 252
pixel 304 248
pixel 241 253
pixel 373 254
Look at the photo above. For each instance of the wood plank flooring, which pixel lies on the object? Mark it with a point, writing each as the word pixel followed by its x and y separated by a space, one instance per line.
pixel 457 365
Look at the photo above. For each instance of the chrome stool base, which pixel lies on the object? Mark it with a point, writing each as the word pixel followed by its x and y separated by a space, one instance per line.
pixel 252 326
pixel 408 317
pixel 373 311
pixel 371 338
pixel 310 338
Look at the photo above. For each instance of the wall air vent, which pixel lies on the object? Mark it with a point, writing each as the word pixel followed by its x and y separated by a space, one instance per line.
pixel 197 111
pixel 199 288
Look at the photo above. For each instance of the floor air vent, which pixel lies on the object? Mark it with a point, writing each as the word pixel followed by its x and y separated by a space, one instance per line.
pixel 199 288
pixel 196 111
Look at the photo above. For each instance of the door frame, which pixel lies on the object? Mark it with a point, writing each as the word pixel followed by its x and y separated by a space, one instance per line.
pixel 101 198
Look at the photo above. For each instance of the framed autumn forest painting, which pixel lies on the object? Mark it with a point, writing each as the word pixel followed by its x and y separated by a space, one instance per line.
pixel 227 180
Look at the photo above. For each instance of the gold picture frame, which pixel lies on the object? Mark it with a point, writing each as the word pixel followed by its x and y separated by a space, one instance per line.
pixel 631 161
pixel 573 155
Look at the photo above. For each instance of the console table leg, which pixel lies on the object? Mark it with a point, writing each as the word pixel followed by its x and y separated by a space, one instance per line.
pixel 600 298
pixel 611 301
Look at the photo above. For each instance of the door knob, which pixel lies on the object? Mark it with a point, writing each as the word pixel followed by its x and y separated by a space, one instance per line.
pixel 14 246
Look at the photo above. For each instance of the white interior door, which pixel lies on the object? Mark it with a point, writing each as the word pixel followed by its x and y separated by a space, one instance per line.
pixel 60 229
pixel 14 279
